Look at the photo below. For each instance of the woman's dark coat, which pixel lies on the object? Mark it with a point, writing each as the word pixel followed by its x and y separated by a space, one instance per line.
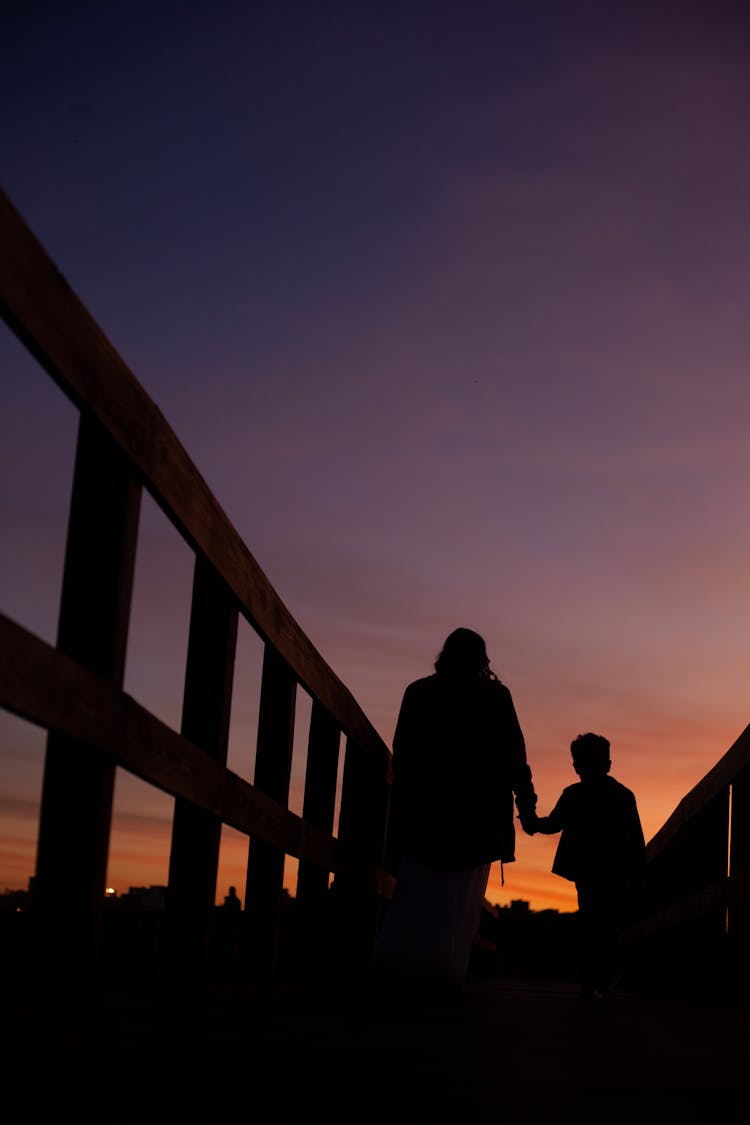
pixel 459 758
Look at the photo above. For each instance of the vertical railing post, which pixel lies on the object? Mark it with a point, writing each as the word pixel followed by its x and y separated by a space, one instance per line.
pixel 739 863
pixel 196 834
pixel 362 829
pixel 273 769
pixel 76 805
pixel 739 856
pixel 702 941
pixel 318 808
pixel 706 844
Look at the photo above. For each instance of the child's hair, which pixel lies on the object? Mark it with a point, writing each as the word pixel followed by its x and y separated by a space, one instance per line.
pixel 590 753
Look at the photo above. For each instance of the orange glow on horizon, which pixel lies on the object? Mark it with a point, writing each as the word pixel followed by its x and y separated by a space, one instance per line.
pixel 140 837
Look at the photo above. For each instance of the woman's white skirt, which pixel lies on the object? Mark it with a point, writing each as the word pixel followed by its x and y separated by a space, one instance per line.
pixel 430 923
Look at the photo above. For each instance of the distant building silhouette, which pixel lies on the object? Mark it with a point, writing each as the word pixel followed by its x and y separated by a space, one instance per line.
pixel 231 901
pixel 144 898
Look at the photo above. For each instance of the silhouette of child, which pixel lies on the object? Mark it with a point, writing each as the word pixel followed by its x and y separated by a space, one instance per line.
pixel 601 850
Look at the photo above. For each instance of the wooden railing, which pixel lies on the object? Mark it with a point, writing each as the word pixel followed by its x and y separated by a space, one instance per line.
pixel 688 920
pixel 74 690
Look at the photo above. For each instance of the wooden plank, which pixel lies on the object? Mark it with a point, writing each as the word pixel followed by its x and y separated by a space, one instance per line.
pixel 694 856
pixel 739 915
pixel 273 768
pixel 364 804
pixel 196 833
pixel 703 902
pixel 740 834
pixel 738 887
pixel 48 688
pixel 707 843
pixel 321 774
pixel 726 892
pixel 319 805
pixel 717 778
pixel 77 789
pixel 42 309
pixel 362 821
pixel 273 755
pixel 319 801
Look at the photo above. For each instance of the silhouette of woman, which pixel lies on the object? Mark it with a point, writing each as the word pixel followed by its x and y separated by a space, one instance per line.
pixel 459 758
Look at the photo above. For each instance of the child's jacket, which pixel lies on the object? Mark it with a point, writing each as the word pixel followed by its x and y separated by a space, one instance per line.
pixel 602 838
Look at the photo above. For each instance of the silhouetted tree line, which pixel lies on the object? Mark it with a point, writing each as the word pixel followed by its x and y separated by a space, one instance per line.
pixel 518 942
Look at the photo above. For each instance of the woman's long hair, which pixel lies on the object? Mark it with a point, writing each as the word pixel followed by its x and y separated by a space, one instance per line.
pixel 464 656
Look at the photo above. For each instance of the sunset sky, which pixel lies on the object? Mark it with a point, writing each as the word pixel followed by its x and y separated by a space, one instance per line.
pixel 448 303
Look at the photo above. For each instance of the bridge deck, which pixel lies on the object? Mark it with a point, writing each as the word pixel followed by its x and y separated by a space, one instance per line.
pixel 522 1052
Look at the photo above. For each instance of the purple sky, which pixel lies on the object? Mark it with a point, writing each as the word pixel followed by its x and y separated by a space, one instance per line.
pixel 448 304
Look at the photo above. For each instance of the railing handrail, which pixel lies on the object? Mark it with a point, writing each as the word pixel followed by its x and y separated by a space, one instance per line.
pixel 49 318
pixel 720 775
pixel 692 902
pixel 45 686
pixel 74 690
